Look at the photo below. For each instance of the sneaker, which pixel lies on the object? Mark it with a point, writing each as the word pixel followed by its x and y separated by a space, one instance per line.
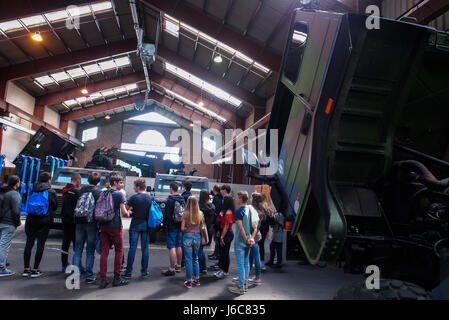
pixel 235 280
pixel 35 273
pixel 178 269
pixel 91 280
pixel 104 284
pixel 237 290
pixel 123 268
pixel 168 272
pixel 6 273
pixel 26 273
pixel 188 284
pixel 196 282
pixel 127 276
pixel 255 281
pixel 144 276
pixel 221 275
pixel 120 282
pixel 263 268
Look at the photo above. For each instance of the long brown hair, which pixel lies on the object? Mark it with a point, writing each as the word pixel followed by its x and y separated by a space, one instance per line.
pixel 204 196
pixel 257 203
pixel 192 207
pixel 268 210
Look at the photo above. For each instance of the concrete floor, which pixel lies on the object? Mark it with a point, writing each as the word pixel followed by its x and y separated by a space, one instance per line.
pixel 292 282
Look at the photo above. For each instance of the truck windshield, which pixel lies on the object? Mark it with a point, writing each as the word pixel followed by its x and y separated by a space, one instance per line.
pixel 65 177
pixel 164 185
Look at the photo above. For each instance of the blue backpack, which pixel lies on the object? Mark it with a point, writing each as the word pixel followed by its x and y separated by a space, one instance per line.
pixel 38 203
pixel 155 215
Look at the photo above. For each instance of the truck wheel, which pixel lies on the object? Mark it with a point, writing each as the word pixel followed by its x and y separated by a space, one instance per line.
pixel 389 290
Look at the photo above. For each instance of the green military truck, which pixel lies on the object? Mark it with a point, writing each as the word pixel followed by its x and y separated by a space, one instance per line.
pixel 363 163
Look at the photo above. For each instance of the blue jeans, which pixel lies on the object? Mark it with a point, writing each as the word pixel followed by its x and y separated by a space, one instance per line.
pixel 135 232
pixel 7 233
pixel 254 256
pixel 174 238
pixel 242 257
pixel 192 243
pixel 202 259
pixel 276 249
pixel 85 233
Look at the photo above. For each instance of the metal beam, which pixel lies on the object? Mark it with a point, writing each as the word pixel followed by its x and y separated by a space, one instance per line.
pixel 430 11
pixel 215 29
pixel 253 17
pixel 350 5
pixel 167 55
pixel 284 19
pixel 73 93
pixel 30 68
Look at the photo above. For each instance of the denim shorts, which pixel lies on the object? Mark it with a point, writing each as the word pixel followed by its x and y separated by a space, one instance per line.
pixel 174 238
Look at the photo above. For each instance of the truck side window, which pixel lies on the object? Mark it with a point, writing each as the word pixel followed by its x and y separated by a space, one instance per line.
pixel 295 51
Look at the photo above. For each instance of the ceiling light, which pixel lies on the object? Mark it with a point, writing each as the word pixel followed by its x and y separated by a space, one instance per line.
pixel 201 104
pixel 107 117
pixel 84 91
pixel 218 59
pixel 191 124
pixel 37 37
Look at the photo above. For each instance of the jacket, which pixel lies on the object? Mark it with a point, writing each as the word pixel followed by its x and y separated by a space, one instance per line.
pixel 169 209
pixel 278 233
pixel 52 207
pixel 218 203
pixel 208 210
pixel 186 195
pixel 70 196
pixel 11 208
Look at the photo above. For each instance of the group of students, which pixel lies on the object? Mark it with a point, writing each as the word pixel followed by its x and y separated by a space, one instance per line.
pixel 252 223
pixel 184 241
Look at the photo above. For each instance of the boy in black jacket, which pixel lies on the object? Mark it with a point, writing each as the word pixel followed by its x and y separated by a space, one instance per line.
pixel 70 195
pixel 37 227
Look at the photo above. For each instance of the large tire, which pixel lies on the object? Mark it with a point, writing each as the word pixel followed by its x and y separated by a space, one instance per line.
pixel 389 290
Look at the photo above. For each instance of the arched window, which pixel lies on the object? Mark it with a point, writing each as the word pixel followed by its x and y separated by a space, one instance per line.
pixel 151 137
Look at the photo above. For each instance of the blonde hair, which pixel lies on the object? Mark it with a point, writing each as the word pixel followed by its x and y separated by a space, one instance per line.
pixel 192 207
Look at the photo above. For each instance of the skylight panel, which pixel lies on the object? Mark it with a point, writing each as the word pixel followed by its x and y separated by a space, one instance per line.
pixel 44 80
pixel 152 117
pixel 101 6
pixel 243 57
pixel 107 65
pixel 208 38
pixel 81 99
pixel 33 21
pixel 71 102
pixel 120 90
pixel 123 61
pixel 190 29
pixel 131 87
pixel 92 68
pixel 107 93
pixel 79 11
pixel 56 16
pixel 10 25
pixel 261 67
pixel 172 26
pixel 96 95
pixel 76 73
pixel 60 76
pixel 234 101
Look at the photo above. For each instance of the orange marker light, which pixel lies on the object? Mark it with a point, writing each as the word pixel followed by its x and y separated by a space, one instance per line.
pixel 330 103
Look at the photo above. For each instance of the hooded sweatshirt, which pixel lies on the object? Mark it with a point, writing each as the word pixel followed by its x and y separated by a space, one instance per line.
pixel 11 207
pixel 70 195
pixel 169 209
pixel 53 205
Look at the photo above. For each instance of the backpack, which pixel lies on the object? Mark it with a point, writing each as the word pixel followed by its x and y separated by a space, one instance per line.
pixel 85 209
pixel 254 222
pixel 155 216
pixel 104 209
pixel 178 212
pixel 38 203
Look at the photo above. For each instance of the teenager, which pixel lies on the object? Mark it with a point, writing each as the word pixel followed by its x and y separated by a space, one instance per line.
pixel 242 243
pixel 254 254
pixel 208 210
pixel 70 195
pixel 226 235
pixel 140 204
pixel 173 229
pixel 112 232
pixel 268 216
pixel 192 221
pixel 276 243
pixel 86 231
pixel 37 227
pixel 9 221
pixel 186 190
pixel 218 203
